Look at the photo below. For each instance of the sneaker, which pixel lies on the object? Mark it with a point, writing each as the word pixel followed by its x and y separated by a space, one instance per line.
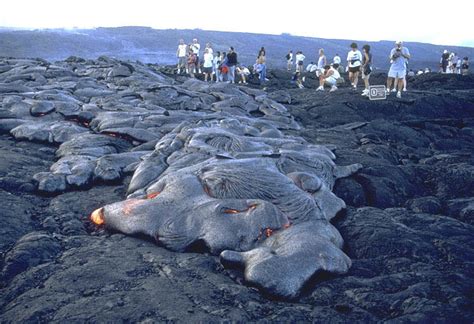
pixel 300 86
pixel 320 88
pixel 303 79
pixel 394 90
pixel 399 94
pixel 404 89
pixel 365 93
pixel 387 92
pixel 333 88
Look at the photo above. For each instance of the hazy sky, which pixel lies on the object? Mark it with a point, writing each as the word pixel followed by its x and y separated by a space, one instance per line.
pixel 436 22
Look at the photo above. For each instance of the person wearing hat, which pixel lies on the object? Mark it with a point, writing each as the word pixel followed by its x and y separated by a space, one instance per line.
pixel 444 61
pixel 398 68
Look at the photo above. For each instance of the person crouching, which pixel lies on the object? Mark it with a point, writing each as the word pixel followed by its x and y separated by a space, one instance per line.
pixel 328 77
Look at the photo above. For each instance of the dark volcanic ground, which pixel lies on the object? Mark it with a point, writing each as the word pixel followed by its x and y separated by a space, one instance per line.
pixel 408 227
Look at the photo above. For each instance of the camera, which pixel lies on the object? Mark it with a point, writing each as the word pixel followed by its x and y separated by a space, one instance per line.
pixel 399 49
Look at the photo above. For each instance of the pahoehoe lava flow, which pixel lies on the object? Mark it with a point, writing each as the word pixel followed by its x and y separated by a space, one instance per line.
pixel 220 189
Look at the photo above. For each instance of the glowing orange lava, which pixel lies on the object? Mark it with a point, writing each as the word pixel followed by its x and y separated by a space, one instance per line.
pixel 152 195
pixel 268 232
pixel 97 216
pixel 130 205
pixel 231 211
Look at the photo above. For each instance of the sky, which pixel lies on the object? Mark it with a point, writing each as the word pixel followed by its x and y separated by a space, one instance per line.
pixel 371 20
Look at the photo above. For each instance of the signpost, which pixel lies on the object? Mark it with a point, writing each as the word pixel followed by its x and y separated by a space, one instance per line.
pixel 377 92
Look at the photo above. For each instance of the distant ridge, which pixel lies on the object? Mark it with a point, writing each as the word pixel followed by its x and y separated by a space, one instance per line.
pixel 150 45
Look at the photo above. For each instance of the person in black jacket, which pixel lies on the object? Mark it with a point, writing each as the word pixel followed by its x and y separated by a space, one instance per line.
pixel 231 63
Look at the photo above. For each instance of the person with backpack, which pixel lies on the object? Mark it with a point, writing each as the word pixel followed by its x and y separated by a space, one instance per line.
pixel 354 60
pixel 289 60
pixel 366 68
pixel 231 63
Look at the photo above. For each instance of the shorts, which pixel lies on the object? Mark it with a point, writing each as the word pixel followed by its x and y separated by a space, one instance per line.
pixel 395 73
pixel 207 70
pixel 182 61
pixel 354 69
pixel 331 81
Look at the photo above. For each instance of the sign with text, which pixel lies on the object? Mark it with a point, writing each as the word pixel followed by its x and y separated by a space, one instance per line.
pixel 377 92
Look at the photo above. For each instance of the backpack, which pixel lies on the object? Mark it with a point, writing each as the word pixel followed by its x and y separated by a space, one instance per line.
pixel 288 56
pixel 224 69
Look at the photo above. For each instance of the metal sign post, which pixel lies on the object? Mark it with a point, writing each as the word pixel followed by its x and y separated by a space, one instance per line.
pixel 377 92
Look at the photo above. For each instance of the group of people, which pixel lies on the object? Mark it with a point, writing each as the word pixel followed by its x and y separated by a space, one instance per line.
pixel 215 66
pixel 222 67
pixel 330 73
pixel 218 67
pixel 452 63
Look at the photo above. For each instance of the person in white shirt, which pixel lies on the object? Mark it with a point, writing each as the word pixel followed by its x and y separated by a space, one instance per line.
pixel 398 67
pixel 196 47
pixel 299 60
pixel 321 63
pixel 181 55
pixel 311 67
pixel 329 77
pixel 207 65
pixel 336 59
pixel 354 60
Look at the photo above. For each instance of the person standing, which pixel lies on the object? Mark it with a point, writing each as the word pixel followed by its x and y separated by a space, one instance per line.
pixel 366 68
pixel 181 54
pixel 262 64
pixel 465 66
pixel 207 65
pixel 191 63
pixel 289 60
pixel 196 47
pixel 458 65
pixel 209 48
pixel 321 63
pixel 299 60
pixel 397 72
pixel 216 62
pixel 444 61
pixel 354 60
pixel 231 63
pixel 223 68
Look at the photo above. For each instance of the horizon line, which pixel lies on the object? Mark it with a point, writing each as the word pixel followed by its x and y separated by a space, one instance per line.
pixel 221 31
